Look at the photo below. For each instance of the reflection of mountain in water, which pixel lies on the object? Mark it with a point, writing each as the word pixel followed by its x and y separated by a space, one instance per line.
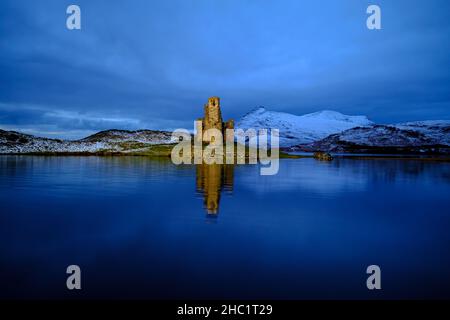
pixel 211 180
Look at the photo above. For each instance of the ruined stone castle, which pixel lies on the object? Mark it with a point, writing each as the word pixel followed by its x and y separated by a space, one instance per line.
pixel 212 120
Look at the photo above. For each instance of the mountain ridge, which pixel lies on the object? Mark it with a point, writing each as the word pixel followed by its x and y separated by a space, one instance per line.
pixel 423 137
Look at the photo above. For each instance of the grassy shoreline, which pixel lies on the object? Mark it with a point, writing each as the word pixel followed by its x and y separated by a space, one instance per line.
pixel 164 151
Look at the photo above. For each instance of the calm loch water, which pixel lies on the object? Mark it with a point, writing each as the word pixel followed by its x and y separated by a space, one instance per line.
pixel 141 228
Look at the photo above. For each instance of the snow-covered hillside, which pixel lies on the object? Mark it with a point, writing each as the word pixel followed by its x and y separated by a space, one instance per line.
pixel 143 136
pixel 436 130
pixel 111 140
pixel 423 136
pixel 301 129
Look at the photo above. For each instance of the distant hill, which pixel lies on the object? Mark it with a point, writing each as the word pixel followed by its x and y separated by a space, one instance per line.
pixel 109 140
pixel 144 136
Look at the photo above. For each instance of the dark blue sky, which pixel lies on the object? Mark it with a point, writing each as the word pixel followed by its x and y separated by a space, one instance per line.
pixel 152 64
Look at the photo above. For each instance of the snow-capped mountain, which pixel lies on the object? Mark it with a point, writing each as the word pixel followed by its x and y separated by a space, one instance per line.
pixel 111 140
pixel 301 129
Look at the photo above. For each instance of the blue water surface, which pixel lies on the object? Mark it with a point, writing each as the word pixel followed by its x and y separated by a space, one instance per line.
pixel 142 228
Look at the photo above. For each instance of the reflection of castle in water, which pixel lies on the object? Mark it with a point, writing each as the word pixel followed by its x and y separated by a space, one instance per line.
pixel 211 180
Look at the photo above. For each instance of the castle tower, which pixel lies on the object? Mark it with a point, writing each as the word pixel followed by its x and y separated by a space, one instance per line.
pixel 213 116
pixel 212 119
